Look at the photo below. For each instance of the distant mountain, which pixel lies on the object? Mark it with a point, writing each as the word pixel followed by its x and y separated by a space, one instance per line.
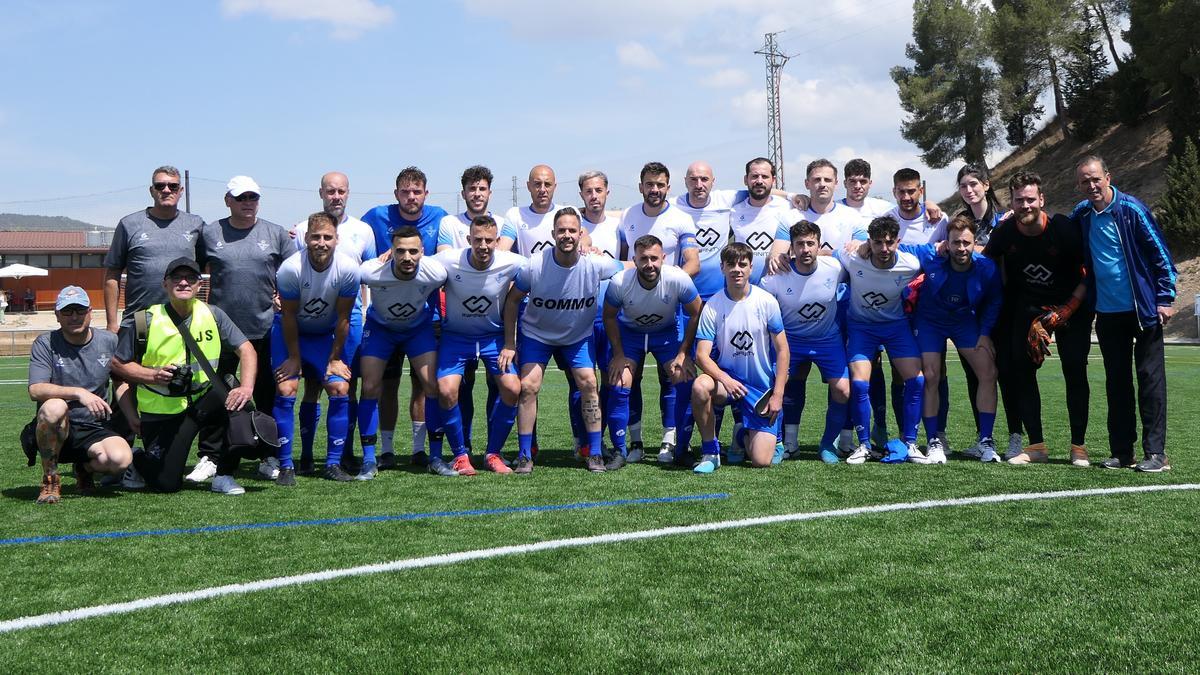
pixel 22 222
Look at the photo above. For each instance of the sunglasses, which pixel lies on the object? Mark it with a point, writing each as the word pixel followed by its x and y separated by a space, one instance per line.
pixel 246 197
pixel 168 187
pixel 74 310
pixel 190 278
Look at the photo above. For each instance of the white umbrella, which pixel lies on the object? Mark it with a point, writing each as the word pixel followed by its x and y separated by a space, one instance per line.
pixel 17 270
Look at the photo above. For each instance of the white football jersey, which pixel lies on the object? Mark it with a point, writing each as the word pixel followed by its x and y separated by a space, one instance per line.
pixel 759 227
pixel 317 292
pixel 562 300
pixel 808 302
pixel 475 298
pixel 875 294
pixel 673 227
pixel 402 304
pixel 741 334
pixel 653 310
pixel 535 231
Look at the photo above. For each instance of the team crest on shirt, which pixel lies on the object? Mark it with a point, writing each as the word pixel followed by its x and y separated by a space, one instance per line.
pixel 103 360
pixel 188 236
pixel 829 283
pixel 262 245
pixel 60 362
pixel 220 245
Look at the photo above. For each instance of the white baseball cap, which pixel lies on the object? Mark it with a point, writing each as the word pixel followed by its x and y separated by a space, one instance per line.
pixel 239 185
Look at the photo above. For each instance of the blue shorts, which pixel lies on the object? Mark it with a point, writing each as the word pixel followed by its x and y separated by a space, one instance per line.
pixel 864 339
pixel 578 355
pixel 381 342
pixel 314 351
pixel 664 345
pixel 751 420
pixel 601 349
pixel 932 335
pixel 829 355
pixel 455 351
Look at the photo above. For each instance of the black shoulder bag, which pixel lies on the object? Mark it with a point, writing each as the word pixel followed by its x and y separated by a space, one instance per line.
pixel 248 428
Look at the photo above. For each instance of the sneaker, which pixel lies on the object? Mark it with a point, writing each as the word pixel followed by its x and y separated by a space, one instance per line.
pixel 945 443
pixel 132 480
pixel 462 464
pixel 204 470
pixel 1079 456
pixel 708 464
pixel 85 484
pixel 583 452
pixel 387 460
pixel 914 454
pixel 860 455
pixel 523 465
pixel 794 452
pixel 976 451
pixel 666 453
pixel 1032 454
pixel 495 463
pixel 936 452
pixel 879 437
pixel 595 463
pixel 779 452
pixel 268 468
pixel 617 462
pixel 1016 443
pixel 1156 463
pixel 335 472
pixel 51 492
pixel 828 456
pixel 286 477
pixel 419 458
pixel 846 443
pixel 1117 463
pixel 440 468
pixel 226 485
pixel 637 453
pixel 351 464
pixel 987 450
pixel 368 471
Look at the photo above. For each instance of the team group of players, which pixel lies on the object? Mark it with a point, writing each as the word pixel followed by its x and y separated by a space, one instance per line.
pixel 736 294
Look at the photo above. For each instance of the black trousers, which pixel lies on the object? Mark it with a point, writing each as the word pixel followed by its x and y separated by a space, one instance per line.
pixel 264 383
pixel 1018 374
pixel 168 441
pixel 1123 340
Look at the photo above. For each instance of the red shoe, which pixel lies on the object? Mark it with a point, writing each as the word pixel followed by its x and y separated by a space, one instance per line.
pixel 462 464
pixel 495 463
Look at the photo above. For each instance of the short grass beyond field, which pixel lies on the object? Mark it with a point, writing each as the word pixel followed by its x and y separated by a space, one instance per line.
pixel 1105 583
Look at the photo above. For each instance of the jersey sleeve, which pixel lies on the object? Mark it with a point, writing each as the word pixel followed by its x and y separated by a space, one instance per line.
pixel 523 281
pixel 774 318
pixel 287 282
pixel 783 229
pixel 40 360
pixel 349 282
pixel 612 294
pixel 118 250
pixel 688 292
pixel 446 232
pixel 707 329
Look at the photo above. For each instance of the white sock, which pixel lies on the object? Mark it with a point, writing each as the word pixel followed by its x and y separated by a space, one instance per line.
pixel 385 441
pixel 791 436
pixel 418 437
pixel 669 435
pixel 635 433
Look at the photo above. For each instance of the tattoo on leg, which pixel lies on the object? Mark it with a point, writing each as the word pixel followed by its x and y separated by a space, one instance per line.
pixel 590 406
pixel 48 442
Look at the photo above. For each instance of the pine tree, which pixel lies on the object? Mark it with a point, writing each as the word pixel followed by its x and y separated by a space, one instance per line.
pixel 1179 210
pixel 1086 68
pixel 1023 74
pixel 950 91
pixel 1162 34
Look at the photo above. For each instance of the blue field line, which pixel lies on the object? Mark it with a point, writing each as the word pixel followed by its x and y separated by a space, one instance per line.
pixel 352 520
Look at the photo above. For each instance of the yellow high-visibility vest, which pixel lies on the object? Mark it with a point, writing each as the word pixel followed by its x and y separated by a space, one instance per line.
pixel 164 346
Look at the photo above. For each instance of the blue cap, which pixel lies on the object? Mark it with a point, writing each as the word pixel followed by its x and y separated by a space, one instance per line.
pixel 72 295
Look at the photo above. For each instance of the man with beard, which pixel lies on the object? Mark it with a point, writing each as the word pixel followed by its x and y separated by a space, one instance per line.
pixel 1042 259
pixel 761 223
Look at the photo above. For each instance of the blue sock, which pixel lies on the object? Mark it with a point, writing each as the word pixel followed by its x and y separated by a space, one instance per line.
pixel 452 427
pixel 524 446
pixel 337 427
pixel 575 410
pixel 466 407
pixel 667 403
pixel 835 417
pixel 618 417
pixel 368 426
pixel 433 426
pixel 683 408
pixel 712 447
pixel 352 417
pixel 878 396
pixel 500 426
pixel 593 439
pixel 987 422
pixel 285 421
pixel 718 418
pixel 310 413
pixel 943 403
pixel 794 396
pixel 860 401
pixel 914 390
pixel 930 427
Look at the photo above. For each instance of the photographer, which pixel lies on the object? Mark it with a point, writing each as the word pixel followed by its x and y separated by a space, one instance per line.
pixel 175 399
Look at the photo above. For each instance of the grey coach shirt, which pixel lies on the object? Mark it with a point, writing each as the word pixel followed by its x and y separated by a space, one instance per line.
pixel 142 246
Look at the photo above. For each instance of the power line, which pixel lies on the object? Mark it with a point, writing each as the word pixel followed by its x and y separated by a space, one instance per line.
pixel 68 197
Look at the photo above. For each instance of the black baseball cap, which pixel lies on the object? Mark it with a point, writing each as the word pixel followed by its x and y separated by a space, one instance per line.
pixel 183 262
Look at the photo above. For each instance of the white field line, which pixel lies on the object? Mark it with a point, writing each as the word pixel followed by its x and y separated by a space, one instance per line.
pixel 69 616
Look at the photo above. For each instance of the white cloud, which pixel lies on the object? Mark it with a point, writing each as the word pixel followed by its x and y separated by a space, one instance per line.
pixel 348 18
pixel 638 55
pixel 726 77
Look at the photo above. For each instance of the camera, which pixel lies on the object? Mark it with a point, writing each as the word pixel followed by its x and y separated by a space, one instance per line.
pixel 181 381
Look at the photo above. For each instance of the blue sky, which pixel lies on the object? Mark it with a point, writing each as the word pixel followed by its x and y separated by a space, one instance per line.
pixel 98 94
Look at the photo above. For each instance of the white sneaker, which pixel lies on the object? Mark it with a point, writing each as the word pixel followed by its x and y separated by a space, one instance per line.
pixel 1016 445
pixel 936 453
pixel 268 468
pixel 860 454
pixel 204 470
pixel 914 454
pixel 132 480
pixel 666 455
pixel 987 450
pixel 945 443
pixel 847 443
pixel 226 485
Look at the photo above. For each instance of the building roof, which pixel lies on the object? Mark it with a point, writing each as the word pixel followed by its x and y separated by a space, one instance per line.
pixel 21 242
